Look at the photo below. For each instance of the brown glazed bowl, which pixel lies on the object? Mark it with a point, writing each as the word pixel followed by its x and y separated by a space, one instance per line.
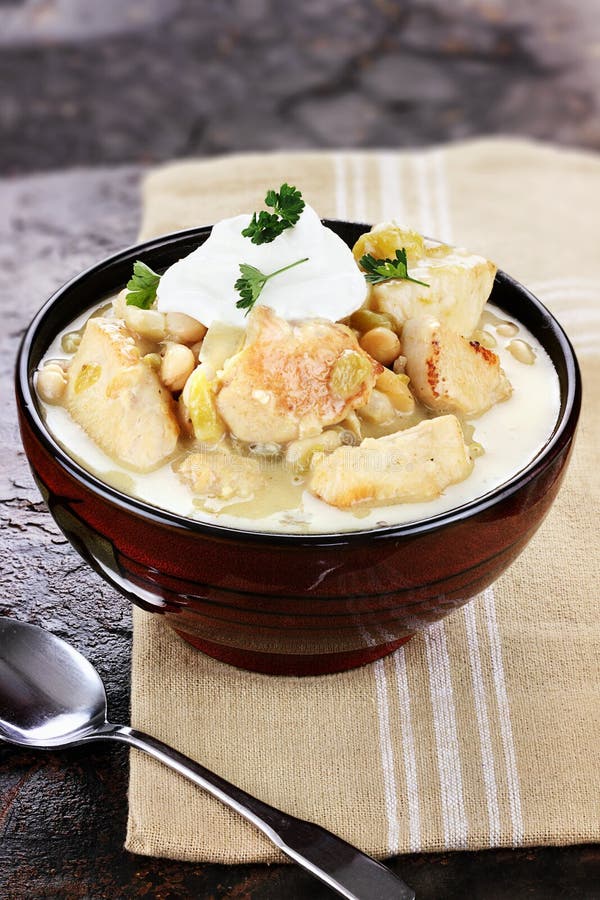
pixel 280 603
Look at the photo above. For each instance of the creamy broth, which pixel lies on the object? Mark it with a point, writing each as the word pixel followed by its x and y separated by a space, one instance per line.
pixel 511 434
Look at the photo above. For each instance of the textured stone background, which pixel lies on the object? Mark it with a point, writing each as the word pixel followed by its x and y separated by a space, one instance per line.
pixel 108 87
pixel 145 80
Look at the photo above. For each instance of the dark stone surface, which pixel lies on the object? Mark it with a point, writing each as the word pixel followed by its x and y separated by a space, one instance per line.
pixel 112 82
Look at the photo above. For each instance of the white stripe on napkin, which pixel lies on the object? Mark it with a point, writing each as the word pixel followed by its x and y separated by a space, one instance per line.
pixel 359 188
pixel 341 196
pixel 444 227
pixel 426 225
pixel 408 751
pixel 387 757
pixel 386 748
pixel 508 745
pixel 454 815
pixel 483 724
pixel 391 201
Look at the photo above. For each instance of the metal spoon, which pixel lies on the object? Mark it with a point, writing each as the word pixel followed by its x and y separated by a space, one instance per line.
pixel 52 697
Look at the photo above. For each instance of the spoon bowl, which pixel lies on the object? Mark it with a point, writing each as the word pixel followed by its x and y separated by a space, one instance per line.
pixel 52 697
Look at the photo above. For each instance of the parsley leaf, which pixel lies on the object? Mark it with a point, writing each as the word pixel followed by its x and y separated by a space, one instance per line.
pixel 264 227
pixel 378 270
pixel 142 286
pixel 251 282
pixel 249 285
pixel 287 205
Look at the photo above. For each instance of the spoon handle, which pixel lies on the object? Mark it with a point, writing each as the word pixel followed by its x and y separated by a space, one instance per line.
pixel 343 867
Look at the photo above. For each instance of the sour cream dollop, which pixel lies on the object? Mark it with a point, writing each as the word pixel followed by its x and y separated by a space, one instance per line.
pixel 329 285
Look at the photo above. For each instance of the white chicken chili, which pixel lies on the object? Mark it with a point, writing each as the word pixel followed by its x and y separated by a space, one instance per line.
pixel 396 395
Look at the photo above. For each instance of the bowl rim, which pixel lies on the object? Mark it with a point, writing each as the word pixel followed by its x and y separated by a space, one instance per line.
pixel 563 430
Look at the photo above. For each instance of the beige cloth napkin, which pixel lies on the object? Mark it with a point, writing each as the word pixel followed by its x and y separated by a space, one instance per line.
pixel 484 731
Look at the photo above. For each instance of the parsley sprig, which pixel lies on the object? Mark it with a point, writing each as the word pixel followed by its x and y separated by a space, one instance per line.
pixel 287 205
pixel 142 286
pixel 252 281
pixel 378 270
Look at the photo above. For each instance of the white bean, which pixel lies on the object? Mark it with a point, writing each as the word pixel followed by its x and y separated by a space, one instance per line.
pixel 71 341
pixel 522 352
pixel 183 328
pixel 51 383
pixel 177 365
pixel 149 323
pixel 507 329
pixel 382 344
pixel 63 364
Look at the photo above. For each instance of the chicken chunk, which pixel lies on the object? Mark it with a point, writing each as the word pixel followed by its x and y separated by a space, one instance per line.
pixel 118 399
pixel 292 379
pixel 221 475
pixel 406 467
pixel 459 282
pixel 448 373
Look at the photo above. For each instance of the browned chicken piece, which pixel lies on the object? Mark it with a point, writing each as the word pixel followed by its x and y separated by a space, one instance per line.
pixel 409 466
pixel 457 282
pixel 292 379
pixel 449 373
pixel 118 399
pixel 221 475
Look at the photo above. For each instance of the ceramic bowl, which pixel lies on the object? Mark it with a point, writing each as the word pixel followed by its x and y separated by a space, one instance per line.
pixel 281 603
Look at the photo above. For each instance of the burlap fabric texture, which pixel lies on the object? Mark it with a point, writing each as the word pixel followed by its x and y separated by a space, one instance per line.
pixel 484 731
